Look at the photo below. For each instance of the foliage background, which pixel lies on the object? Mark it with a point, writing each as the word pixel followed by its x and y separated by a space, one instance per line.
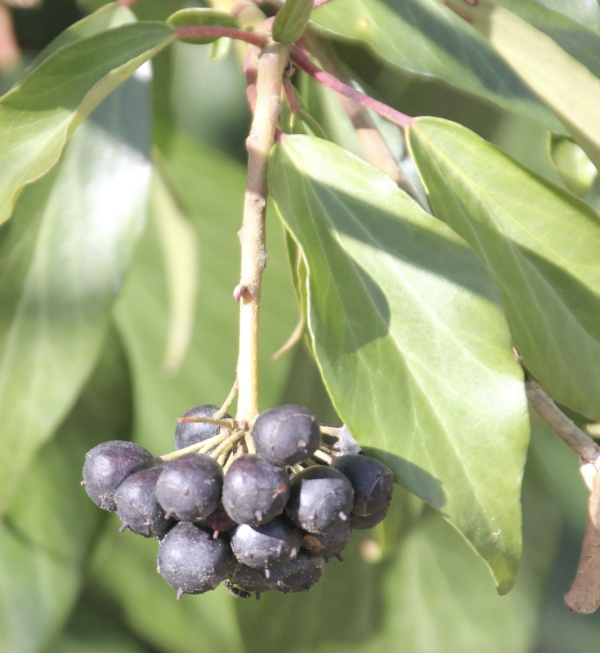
pixel 69 582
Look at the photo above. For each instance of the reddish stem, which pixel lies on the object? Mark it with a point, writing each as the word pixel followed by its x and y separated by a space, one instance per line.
pixel 259 40
pixel 125 3
pixel 320 3
pixel 385 111
pixel 291 96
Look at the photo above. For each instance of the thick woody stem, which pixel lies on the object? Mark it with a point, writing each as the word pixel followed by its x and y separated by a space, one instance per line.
pixel 565 428
pixel 271 65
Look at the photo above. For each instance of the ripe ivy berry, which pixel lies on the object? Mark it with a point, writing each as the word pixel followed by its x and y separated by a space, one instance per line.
pixel 138 507
pixel 330 544
pixel 321 498
pixel 192 561
pixel 189 433
pixel 361 523
pixel 372 481
pixel 190 487
pixel 299 575
pixel 108 465
pixel 254 491
pixel 286 435
pixel 266 547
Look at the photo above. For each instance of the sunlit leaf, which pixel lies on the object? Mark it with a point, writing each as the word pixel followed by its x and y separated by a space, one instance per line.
pixel 37 117
pixel 424 37
pixel 562 82
pixel 62 261
pixel 412 345
pixel 540 244
pixel 47 535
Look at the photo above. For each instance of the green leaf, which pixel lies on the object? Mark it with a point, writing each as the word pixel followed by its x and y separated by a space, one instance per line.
pixel 37 117
pixel 197 17
pixel 540 244
pixel 179 246
pixel 425 38
pixel 564 84
pixel 62 261
pixel 107 17
pixel 47 535
pixel 291 21
pixel 585 12
pixel 412 345
pixel 572 164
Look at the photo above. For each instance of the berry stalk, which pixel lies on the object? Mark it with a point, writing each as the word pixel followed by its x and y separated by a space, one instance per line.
pixel 271 65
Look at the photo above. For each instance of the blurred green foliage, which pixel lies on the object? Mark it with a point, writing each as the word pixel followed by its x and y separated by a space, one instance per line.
pixel 70 583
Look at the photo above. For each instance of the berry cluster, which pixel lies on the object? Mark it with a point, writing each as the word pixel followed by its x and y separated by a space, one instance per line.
pixel 255 521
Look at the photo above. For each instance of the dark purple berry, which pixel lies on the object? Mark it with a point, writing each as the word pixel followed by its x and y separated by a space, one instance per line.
pixel 286 435
pixel 138 507
pixel 192 561
pixel 108 465
pixel 321 499
pixel 299 575
pixel 190 487
pixel 252 580
pixel 220 522
pixel 361 523
pixel 254 491
pixel 372 481
pixel 330 544
pixel 189 433
pixel 266 547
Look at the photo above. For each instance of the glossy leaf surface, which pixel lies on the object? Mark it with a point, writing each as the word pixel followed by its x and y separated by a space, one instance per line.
pixel 412 346
pixel 539 242
pixel 37 117
pixel 47 535
pixel 562 82
pixel 424 37
pixel 62 261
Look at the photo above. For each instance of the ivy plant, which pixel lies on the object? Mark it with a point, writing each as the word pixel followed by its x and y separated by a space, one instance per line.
pixel 443 301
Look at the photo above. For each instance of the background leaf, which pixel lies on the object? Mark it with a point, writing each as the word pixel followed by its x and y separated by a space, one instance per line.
pixel 62 261
pixel 397 309
pixel 425 38
pixel 37 117
pixel 565 85
pixel 542 253
pixel 47 534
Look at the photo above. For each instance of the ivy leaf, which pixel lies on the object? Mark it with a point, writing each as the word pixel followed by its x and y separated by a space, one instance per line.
pixel 423 37
pixel 39 115
pixel 412 345
pixel 105 18
pixel 291 21
pixel 562 82
pixel 48 533
pixel 62 261
pixel 539 243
